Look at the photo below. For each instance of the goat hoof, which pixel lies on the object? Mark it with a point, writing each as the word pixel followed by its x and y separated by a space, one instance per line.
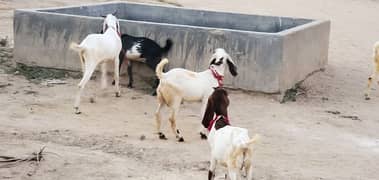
pixel 162 136
pixel 113 82
pixel 118 94
pixel 77 111
pixel 181 139
pixel 92 100
pixel 203 136
pixel 130 86
pixel 367 97
pixel 154 93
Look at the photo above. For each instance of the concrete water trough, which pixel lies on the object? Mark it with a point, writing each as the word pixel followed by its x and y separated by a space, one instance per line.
pixel 272 53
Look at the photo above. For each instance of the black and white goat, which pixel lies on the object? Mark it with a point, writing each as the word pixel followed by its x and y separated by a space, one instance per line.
pixel 97 49
pixel 180 84
pixel 142 49
pixel 230 146
pixel 375 74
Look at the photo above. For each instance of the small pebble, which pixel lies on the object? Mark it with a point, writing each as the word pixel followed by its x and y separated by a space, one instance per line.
pixel 143 137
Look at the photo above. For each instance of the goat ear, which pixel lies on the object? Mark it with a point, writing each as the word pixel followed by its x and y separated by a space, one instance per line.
pixel 114 13
pixel 209 112
pixel 232 67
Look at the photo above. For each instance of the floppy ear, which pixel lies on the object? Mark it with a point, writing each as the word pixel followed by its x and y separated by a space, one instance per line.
pixel 105 27
pixel 209 112
pixel 232 66
pixel 118 27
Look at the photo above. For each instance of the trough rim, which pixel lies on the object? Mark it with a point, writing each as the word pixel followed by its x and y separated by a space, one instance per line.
pixel 313 22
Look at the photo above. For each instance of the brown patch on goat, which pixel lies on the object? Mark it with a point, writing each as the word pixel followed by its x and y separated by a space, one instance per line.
pixel 218 103
pixel 243 152
pixel 168 93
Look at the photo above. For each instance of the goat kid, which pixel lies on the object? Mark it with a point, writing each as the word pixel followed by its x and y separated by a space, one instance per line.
pixel 98 49
pixel 230 146
pixel 179 85
pixel 375 74
pixel 144 50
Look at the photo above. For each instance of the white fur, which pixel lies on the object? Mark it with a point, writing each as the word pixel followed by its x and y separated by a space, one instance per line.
pixel 96 49
pixel 232 148
pixel 180 84
pixel 134 53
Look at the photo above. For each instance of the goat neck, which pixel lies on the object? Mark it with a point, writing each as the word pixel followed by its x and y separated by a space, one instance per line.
pixel 215 119
pixel 217 76
pixel 114 29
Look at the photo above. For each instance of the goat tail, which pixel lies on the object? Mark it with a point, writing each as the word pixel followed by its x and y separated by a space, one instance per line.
pixel 168 46
pixel 253 140
pixel 242 153
pixel 159 69
pixel 76 47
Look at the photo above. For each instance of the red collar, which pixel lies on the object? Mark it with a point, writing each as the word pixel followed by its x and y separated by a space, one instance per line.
pixel 216 75
pixel 213 121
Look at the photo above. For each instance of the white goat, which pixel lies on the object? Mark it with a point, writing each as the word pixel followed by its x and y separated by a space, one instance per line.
pixel 180 84
pixel 230 146
pixel 96 49
pixel 375 74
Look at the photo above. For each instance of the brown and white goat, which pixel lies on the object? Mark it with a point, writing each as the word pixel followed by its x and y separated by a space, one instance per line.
pixel 230 146
pixel 97 49
pixel 375 74
pixel 180 84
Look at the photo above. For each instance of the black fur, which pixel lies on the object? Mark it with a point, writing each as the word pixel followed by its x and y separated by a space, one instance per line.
pixel 149 50
pixel 210 175
pixel 218 62
pixel 232 68
pixel 203 136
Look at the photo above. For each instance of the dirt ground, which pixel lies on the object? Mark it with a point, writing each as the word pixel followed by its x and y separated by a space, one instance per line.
pixel 330 132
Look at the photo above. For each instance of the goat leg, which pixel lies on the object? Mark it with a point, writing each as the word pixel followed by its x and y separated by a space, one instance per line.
pixel 130 74
pixel 212 169
pixel 117 76
pixel 155 86
pixel 122 57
